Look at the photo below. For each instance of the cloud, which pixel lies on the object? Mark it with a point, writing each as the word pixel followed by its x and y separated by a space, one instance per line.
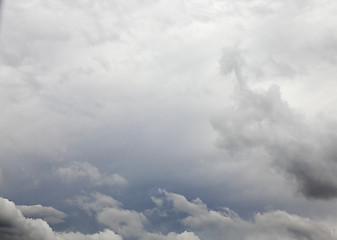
pixel 14 226
pixel 108 212
pixel 260 121
pixel 172 236
pixel 78 170
pixel 216 224
pixel 104 235
pixel 48 214
pixel 127 223
pixel 200 223
pixel 93 88
pixel 95 203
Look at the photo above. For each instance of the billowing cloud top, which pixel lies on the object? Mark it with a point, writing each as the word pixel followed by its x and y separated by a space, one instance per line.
pixel 209 224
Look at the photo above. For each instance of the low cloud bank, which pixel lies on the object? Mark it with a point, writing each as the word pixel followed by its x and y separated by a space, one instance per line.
pixel 199 222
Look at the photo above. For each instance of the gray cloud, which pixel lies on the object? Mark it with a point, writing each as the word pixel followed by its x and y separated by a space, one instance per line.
pixel 94 203
pixel 314 181
pixel 108 212
pixel 77 170
pixel 260 120
pixel 14 226
pixel 204 223
pixel 48 214
pixel 96 92
pixel 211 224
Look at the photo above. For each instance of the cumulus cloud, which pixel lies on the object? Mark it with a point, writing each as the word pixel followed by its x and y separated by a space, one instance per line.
pixel 260 120
pixel 14 226
pixel 199 221
pixel 220 224
pixel 109 212
pixel 94 203
pixel 78 170
pixel 125 222
pixel 93 88
pixel 48 214
pixel 172 236
pixel 104 235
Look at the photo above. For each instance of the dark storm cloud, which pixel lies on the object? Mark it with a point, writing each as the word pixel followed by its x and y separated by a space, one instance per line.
pixel 217 224
pixel 313 185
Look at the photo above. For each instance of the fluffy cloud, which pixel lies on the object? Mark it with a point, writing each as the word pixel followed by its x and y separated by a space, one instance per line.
pixel 172 236
pixel 89 89
pixel 108 212
pixel 261 121
pixel 201 222
pixel 125 222
pixel 78 170
pixel 206 223
pixel 14 226
pixel 104 235
pixel 212 224
pixel 48 214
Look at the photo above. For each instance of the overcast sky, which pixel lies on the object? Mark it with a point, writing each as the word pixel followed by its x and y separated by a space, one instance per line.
pixel 168 119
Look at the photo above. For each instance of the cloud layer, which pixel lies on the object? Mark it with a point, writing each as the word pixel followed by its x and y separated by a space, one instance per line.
pixel 105 101
pixel 206 223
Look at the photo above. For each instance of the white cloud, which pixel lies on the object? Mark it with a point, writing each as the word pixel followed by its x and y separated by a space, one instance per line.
pixel 108 212
pixel 205 224
pixel 14 226
pixel 172 236
pixel 95 203
pixel 78 170
pixel 127 223
pixel 124 222
pixel 211 224
pixel 48 214
pixel 104 235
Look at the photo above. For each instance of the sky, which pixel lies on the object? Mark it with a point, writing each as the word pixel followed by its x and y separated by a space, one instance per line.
pixel 168 120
